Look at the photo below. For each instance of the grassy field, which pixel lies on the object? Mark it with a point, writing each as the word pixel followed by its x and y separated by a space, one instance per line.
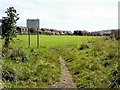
pixel 51 41
pixel 92 61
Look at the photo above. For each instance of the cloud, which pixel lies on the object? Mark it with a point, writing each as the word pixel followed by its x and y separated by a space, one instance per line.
pixel 67 14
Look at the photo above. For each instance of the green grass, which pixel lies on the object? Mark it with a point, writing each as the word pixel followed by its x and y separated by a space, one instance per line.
pixel 42 68
pixel 51 41
pixel 94 66
pixel 90 59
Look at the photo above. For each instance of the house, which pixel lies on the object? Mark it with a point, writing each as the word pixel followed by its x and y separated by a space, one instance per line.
pixel 45 31
pixel 61 32
pixel 54 32
pixel 69 33
pixel 101 33
pixel 105 32
pixel 115 33
pixel 95 33
pixel 22 30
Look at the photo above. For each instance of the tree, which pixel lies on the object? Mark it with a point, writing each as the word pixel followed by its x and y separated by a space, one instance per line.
pixel 32 30
pixel 9 25
pixel 78 32
pixel 19 30
pixel 85 33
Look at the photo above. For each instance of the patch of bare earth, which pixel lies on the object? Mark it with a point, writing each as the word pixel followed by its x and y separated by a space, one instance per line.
pixel 66 80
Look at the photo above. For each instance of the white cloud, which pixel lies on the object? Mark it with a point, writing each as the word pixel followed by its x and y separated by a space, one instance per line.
pixel 67 14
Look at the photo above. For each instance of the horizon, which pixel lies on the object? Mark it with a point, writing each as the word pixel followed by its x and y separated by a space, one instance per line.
pixel 67 15
pixel 74 30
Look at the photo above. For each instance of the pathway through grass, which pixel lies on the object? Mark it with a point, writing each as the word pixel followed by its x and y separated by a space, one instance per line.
pixel 66 80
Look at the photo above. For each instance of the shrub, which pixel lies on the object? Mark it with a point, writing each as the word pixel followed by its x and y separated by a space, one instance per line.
pixel 19 55
pixel 83 46
pixel 8 74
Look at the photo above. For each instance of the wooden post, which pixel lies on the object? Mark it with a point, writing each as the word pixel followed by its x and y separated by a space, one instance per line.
pixel 28 37
pixel 37 37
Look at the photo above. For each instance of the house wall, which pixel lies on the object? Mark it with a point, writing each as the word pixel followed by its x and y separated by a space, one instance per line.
pixel 115 34
pixel 22 30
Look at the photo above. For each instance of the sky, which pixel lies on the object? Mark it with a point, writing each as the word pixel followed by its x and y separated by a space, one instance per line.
pixel 90 15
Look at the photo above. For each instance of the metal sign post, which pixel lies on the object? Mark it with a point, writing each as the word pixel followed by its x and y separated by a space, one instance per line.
pixel 28 37
pixel 37 37
pixel 33 23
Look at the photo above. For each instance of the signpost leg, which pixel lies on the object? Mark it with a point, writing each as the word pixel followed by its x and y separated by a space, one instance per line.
pixel 37 38
pixel 28 37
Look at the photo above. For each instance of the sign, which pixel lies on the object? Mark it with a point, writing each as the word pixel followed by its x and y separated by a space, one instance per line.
pixel 33 23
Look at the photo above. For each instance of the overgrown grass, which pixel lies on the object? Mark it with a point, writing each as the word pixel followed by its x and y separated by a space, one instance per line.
pixel 93 64
pixel 91 60
pixel 30 67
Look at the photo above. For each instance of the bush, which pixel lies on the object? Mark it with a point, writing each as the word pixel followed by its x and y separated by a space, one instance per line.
pixel 83 46
pixel 8 74
pixel 19 55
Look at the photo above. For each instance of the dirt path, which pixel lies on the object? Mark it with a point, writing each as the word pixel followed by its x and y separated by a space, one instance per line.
pixel 66 80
